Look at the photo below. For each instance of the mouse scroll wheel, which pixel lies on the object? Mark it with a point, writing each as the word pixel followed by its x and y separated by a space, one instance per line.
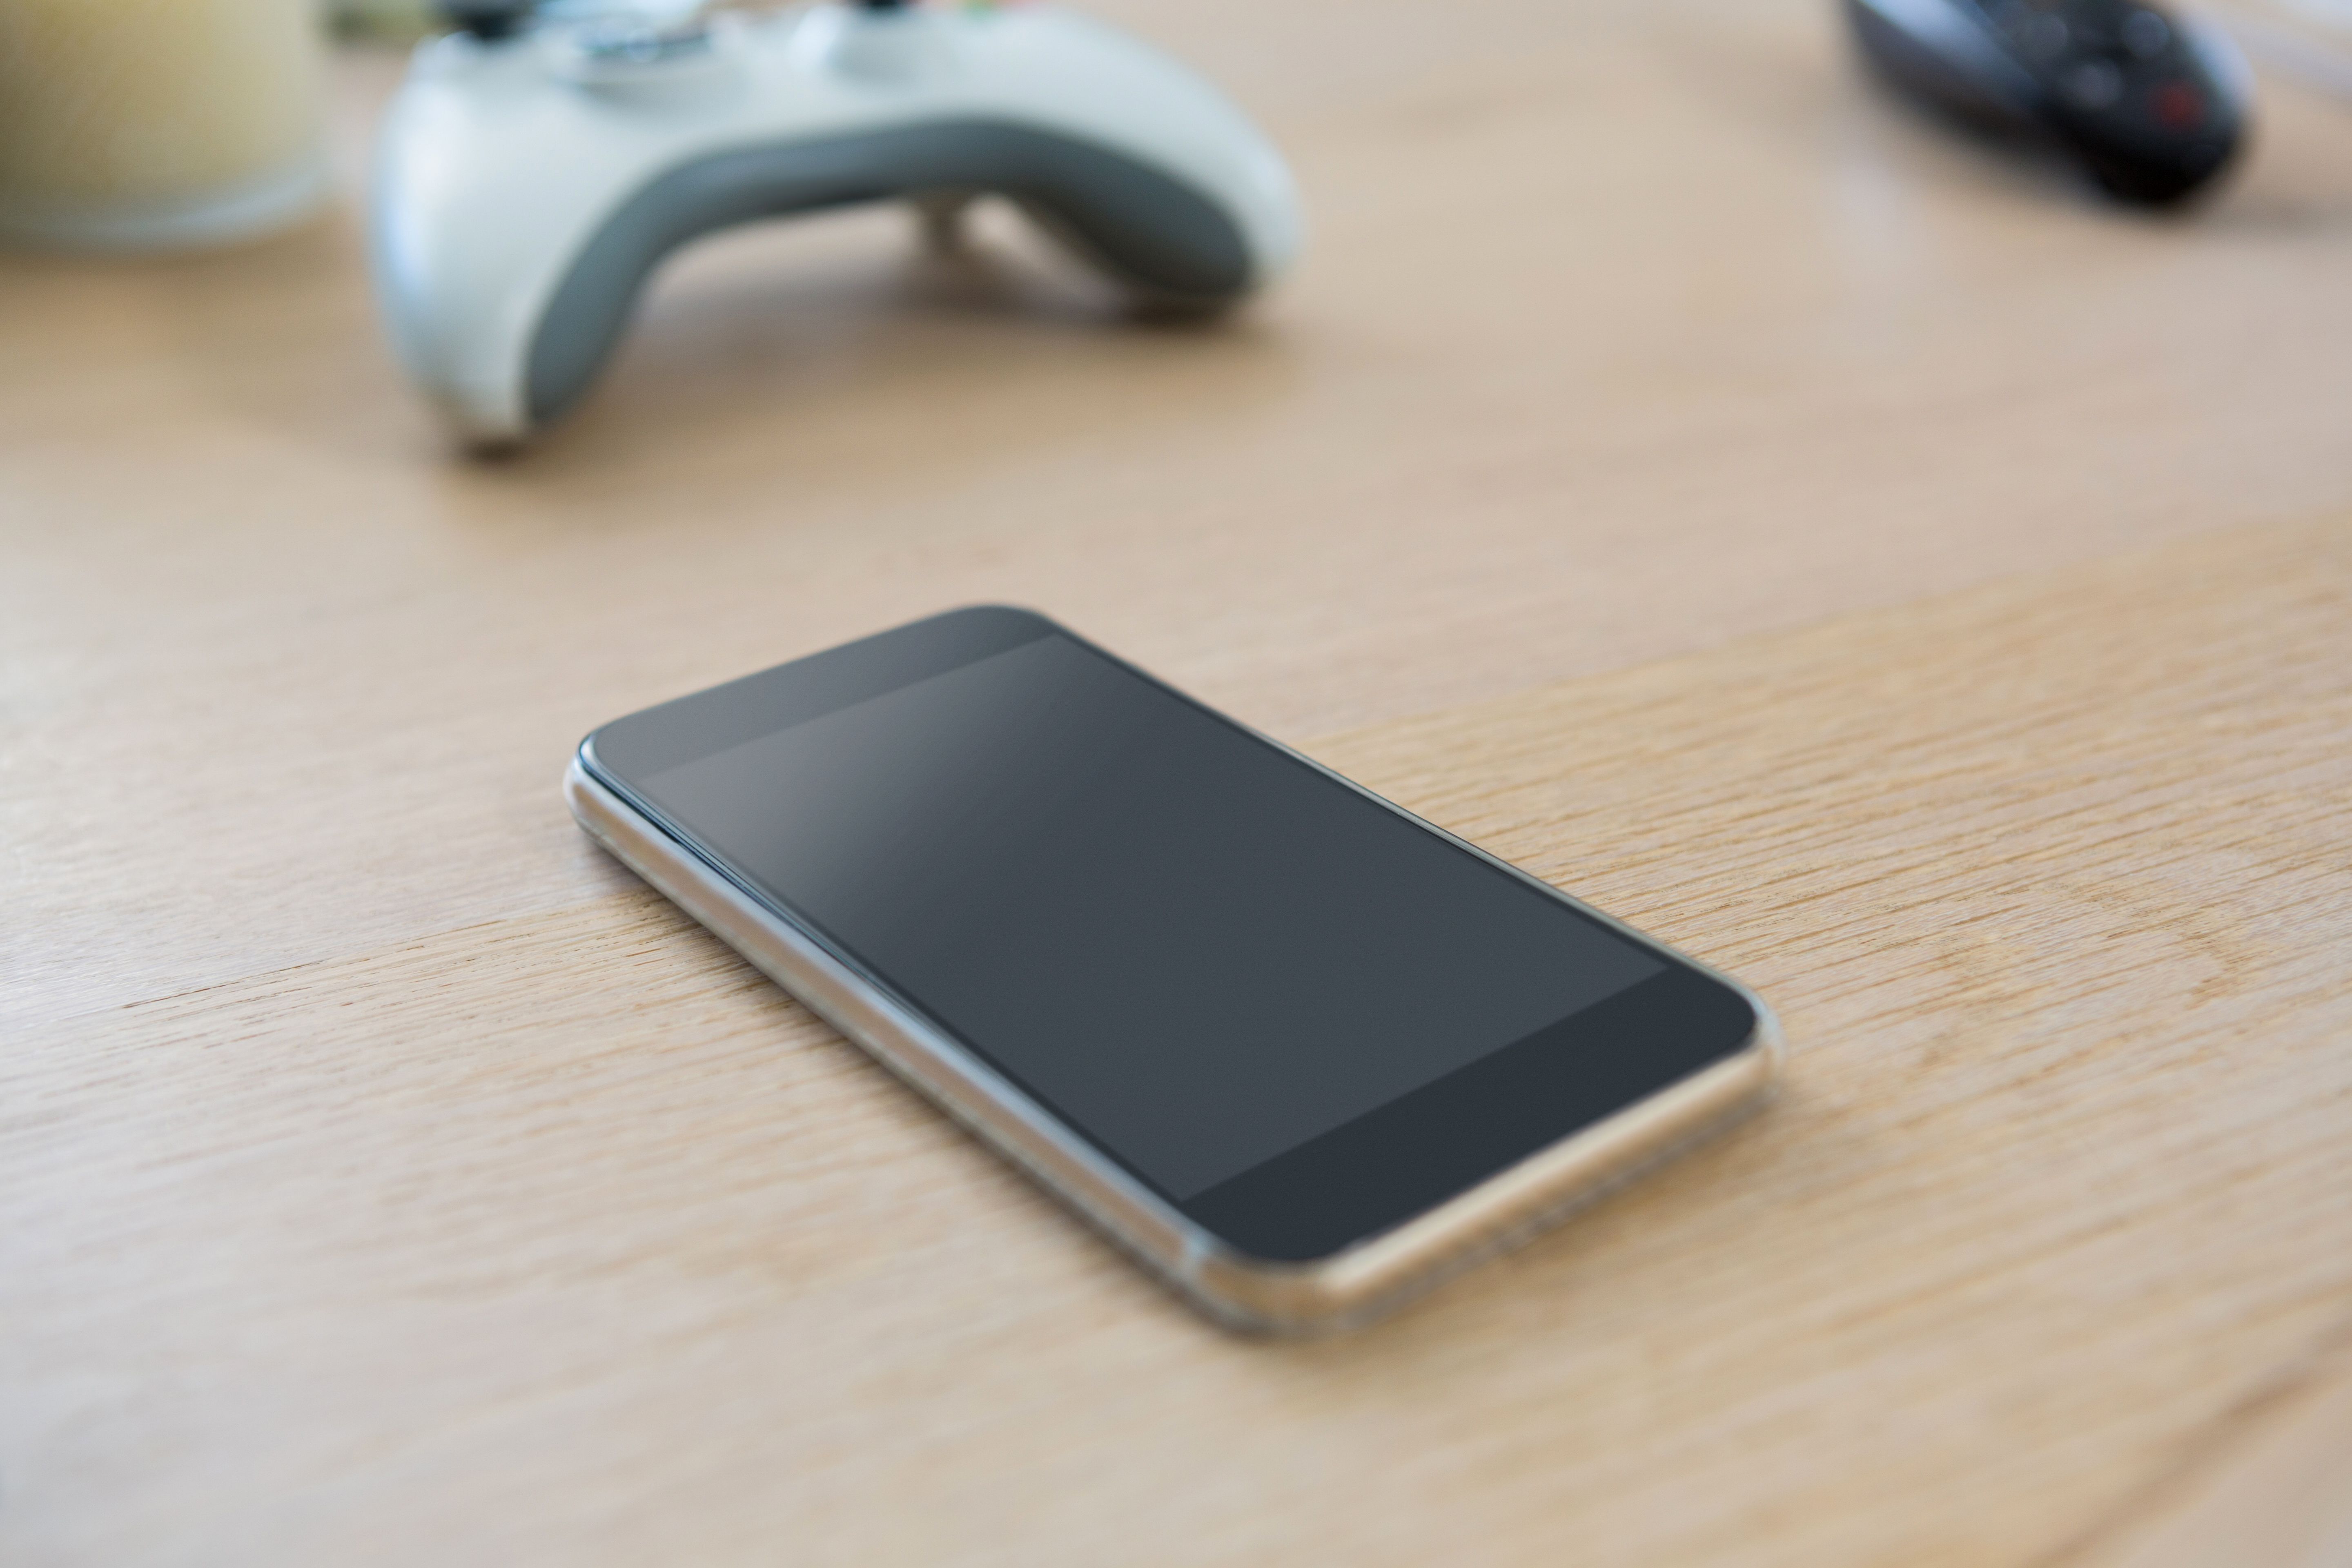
pixel 2043 37
pixel 2177 106
pixel 2093 84
pixel 2145 35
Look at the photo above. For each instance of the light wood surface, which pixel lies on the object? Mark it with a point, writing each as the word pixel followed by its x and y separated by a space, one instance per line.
pixel 2272 1484
pixel 1856 558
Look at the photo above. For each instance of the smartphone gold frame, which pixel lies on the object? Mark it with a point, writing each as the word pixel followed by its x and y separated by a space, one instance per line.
pixel 1240 1292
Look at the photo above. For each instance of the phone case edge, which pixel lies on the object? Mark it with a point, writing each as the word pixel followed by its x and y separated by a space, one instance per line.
pixel 1348 1288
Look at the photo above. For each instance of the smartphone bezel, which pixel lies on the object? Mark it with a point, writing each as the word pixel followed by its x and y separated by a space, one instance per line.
pixel 1369 1265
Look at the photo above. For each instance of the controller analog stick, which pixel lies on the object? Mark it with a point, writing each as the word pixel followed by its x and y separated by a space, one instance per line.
pixel 488 20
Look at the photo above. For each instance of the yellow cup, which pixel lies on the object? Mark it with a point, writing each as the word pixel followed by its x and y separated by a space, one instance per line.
pixel 157 124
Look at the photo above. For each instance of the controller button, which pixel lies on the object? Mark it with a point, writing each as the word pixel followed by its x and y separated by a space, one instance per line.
pixel 2177 106
pixel 2146 34
pixel 2093 85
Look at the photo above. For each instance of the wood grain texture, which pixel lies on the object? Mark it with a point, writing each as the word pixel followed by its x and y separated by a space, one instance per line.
pixel 1761 350
pixel 573 1226
pixel 2270 1482
pixel 1914 587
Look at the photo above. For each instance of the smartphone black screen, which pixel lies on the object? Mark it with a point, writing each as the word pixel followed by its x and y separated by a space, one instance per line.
pixel 1294 1011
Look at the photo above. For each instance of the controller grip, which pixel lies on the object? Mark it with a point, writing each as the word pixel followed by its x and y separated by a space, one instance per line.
pixel 1160 235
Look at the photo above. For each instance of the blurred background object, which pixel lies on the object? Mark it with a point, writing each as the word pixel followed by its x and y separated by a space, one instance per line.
pixel 407 21
pixel 157 124
pixel 531 177
pixel 388 21
pixel 2150 105
pixel 2309 41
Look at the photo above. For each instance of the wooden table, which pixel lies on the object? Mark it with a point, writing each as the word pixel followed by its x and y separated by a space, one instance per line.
pixel 1866 562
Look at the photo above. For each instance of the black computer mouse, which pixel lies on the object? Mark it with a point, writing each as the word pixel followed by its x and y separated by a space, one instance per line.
pixel 2152 105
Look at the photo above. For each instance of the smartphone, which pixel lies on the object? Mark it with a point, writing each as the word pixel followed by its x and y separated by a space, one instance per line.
pixel 1296 1049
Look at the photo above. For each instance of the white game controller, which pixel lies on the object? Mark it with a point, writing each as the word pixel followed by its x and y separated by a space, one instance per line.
pixel 532 176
